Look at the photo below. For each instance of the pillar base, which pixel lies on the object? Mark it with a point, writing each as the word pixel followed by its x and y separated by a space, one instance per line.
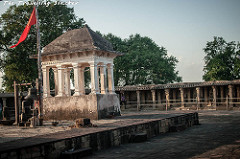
pixel 60 95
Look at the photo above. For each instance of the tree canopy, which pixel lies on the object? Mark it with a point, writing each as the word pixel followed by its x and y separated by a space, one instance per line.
pixel 144 62
pixel 16 64
pixel 222 60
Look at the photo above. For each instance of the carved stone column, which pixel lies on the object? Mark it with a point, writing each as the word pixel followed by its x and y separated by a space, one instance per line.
pixel 110 79
pixel 198 89
pixel 67 82
pixel 189 95
pixel 81 80
pixel 138 100
pixel 103 79
pixel 174 96
pixel 76 79
pixel 55 71
pixel 4 102
pixel 46 85
pixel 206 95
pixel 60 81
pixel 167 98
pixel 94 78
pixel 182 96
pixel 214 96
pixel 230 95
pixel 154 98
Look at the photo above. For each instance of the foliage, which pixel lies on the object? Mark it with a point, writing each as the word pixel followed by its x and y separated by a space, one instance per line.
pixel 16 64
pixel 222 60
pixel 144 62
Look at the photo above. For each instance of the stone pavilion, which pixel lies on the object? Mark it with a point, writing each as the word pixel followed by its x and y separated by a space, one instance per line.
pixel 79 50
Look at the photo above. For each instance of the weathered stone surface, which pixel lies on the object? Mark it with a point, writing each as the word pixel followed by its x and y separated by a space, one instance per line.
pixel 95 106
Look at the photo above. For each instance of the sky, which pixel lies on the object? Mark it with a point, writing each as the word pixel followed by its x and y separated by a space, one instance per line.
pixel 183 27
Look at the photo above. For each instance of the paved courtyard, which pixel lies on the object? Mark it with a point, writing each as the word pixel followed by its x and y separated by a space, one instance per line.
pixel 12 133
pixel 218 136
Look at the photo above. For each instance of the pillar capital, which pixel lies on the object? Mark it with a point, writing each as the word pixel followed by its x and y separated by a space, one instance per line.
pixel 92 64
pixel 110 79
pixel 181 89
pixel 75 65
pixel 110 65
pixel 153 90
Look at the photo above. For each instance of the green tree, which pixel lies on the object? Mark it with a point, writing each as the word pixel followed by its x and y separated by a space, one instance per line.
pixel 16 64
pixel 221 60
pixel 144 62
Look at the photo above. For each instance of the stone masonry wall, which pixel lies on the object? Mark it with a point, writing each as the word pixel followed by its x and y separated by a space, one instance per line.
pixel 94 106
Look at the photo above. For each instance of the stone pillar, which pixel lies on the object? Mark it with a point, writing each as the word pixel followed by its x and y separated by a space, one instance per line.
pixel 230 95
pixel 214 96
pixel 110 79
pixel 182 96
pixel 138 100
pixel 222 94
pixel 159 97
pixel 55 71
pixel 103 79
pixel 167 98
pixel 67 82
pixel 206 95
pixel 46 85
pixel 189 95
pixel 81 80
pixel 60 81
pixel 154 98
pixel 174 96
pixel 76 79
pixel 4 102
pixel 4 107
pixel 198 89
pixel 94 78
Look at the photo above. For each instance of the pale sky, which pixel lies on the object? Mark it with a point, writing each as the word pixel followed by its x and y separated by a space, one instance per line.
pixel 183 27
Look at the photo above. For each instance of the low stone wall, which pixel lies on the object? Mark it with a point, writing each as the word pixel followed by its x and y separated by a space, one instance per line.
pixel 102 139
pixel 93 106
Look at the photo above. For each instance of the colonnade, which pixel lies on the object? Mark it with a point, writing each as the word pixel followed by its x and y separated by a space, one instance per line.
pixel 62 79
pixel 213 96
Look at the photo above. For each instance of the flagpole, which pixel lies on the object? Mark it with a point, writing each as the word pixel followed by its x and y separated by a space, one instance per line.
pixel 40 113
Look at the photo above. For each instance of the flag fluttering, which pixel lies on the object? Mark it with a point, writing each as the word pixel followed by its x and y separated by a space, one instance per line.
pixel 31 21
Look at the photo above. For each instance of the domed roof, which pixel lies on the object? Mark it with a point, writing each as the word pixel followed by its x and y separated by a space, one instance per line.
pixel 78 40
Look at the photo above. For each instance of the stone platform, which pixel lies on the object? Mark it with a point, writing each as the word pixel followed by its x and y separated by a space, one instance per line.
pixel 107 133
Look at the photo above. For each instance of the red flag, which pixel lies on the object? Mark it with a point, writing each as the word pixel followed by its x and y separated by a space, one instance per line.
pixel 31 22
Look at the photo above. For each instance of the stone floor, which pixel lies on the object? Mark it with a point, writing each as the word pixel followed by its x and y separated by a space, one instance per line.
pixel 11 133
pixel 217 137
